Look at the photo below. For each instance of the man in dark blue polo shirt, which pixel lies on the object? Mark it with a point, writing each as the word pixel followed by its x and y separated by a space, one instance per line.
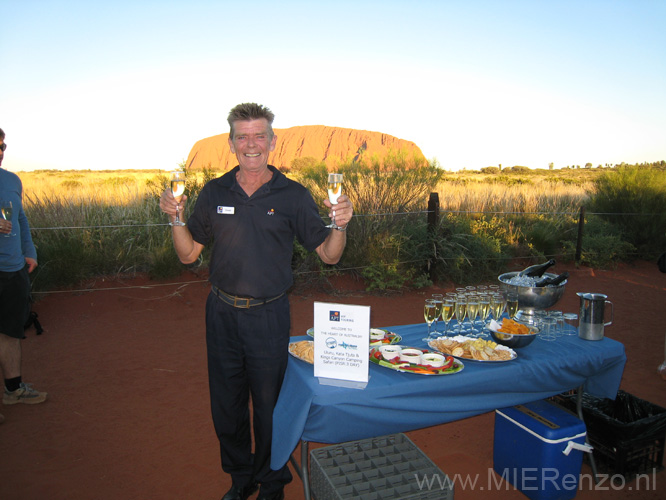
pixel 251 216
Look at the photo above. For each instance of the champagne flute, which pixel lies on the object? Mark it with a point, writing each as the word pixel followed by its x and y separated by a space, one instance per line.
pixel 178 189
pixel 448 308
pixel 484 312
pixel 460 310
pixel 430 315
pixel 472 310
pixel 439 300
pixel 497 305
pixel 6 211
pixel 512 304
pixel 334 192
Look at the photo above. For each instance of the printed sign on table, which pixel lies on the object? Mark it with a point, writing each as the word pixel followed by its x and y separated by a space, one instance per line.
pixel 341 342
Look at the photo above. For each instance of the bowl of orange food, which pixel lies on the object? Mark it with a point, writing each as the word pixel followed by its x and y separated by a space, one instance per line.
pixel 512 333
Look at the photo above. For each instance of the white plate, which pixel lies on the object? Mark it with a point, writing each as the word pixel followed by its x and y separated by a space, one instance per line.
pixel 393 338
pixel 457 366
pixel 298 357
pixel 461 339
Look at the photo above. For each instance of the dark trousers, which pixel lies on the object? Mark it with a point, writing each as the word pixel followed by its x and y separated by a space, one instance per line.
pixel 247 357
pixel 14 302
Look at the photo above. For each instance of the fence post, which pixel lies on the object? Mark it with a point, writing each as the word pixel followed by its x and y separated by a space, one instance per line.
pixel 579 241
pixel 433 218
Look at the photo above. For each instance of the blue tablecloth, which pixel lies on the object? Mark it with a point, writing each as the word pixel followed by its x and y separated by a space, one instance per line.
pixel 399 402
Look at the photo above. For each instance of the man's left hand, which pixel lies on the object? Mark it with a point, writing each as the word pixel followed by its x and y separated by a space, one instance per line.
pixel 342 210
pixel 32 264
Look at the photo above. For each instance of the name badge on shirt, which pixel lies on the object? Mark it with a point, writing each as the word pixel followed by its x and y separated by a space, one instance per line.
pixel 225 210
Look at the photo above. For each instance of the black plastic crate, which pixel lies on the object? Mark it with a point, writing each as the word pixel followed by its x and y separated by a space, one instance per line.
pixel 628 433
pixel 383 468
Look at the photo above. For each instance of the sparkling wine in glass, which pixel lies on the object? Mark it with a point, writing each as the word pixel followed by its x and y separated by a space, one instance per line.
pixel 497 305
pixel 178 189
pixel 484 313
pixel 6 211
pixel 448 307
pixel 439 300
pixel 430 314
pixel 460 311
pixel 472 311
pixel 511 304
pixel 334 192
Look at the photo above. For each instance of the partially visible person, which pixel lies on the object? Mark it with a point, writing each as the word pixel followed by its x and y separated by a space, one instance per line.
pixel 251 216
pixel 18 257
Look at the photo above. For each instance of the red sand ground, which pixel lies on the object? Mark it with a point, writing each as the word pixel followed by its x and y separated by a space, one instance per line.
pixel 128 416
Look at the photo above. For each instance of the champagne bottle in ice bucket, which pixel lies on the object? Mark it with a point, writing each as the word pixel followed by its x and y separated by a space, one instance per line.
pixel 548 281
pixel 536 270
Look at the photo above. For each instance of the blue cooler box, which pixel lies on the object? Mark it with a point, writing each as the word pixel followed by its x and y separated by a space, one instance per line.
pixel 538 449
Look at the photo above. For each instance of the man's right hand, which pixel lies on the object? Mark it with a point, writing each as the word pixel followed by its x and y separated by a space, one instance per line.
pixel 168 204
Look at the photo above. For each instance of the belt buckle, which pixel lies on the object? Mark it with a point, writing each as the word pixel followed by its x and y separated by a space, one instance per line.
pixel 238 305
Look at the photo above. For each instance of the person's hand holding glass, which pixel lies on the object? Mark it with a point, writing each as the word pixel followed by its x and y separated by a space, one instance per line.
pixel 6 210
pixel 334 192
pixel 178 189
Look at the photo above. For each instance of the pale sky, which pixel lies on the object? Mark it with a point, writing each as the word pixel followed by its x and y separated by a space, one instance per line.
pixel 474 83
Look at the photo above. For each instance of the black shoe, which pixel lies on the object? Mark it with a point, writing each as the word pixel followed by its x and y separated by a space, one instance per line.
pixel 279 495
pixel 241 492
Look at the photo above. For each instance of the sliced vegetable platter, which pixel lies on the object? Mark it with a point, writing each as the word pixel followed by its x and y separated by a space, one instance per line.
pixel 451 365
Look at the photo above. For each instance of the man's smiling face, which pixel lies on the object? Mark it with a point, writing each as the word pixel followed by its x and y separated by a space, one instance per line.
pixel 252 142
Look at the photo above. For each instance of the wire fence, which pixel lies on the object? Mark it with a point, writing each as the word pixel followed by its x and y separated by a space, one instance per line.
pixel 336 269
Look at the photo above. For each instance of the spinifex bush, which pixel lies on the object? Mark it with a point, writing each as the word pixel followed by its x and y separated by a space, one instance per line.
pixel 103 227
pixel 384 193
pixel 633 199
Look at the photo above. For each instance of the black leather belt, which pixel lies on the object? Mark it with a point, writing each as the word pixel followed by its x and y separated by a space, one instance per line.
pixel 241 302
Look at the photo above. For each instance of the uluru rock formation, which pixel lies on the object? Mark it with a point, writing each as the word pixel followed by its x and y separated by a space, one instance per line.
pixel 329 144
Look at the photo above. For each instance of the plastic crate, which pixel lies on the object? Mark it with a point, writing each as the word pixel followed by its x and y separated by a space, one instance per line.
pixel 628 433
pixel 382 468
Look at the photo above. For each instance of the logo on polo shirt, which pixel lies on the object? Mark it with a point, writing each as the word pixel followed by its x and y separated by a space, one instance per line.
pixel 225 210
pixel 271 212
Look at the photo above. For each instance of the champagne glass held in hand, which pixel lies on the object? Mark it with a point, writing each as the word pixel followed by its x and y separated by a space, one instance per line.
pixel 334 192
pixel 6 210
pixel 178 189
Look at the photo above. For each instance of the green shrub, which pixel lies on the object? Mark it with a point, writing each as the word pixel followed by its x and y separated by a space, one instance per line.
pixel 603 246
pixel 470 251
pixel 633 199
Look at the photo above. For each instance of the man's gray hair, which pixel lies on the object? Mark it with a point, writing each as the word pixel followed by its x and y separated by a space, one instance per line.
pixel 250 111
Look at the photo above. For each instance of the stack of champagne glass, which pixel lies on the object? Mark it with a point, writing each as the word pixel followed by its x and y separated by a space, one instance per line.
pixel 472 307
